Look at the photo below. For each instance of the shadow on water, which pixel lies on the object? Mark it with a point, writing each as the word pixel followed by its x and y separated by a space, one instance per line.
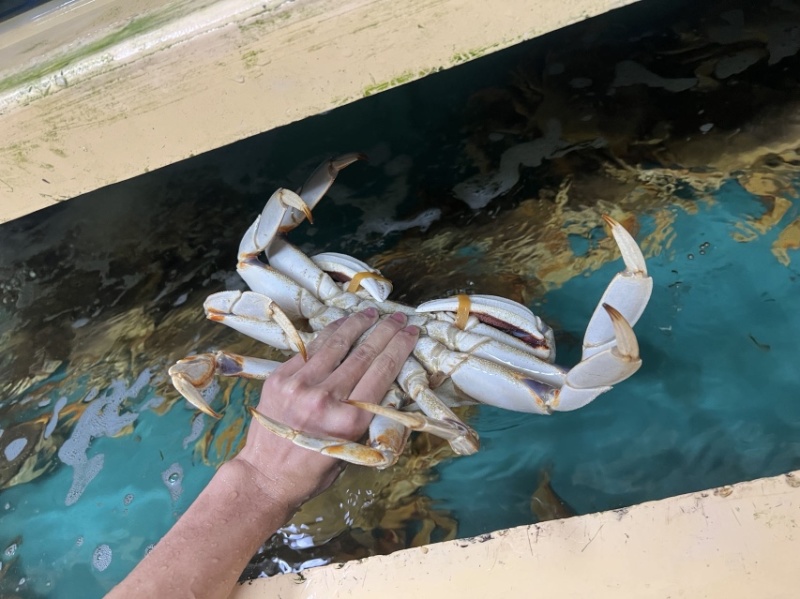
pixel 679 121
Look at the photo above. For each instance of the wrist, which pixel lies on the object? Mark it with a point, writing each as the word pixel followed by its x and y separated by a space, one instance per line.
pixel 270 493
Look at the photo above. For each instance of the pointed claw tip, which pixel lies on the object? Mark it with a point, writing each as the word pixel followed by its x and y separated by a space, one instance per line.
pixel 613 312
pixel 610 221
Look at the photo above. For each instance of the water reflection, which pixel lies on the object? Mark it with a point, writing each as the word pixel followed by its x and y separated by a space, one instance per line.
pixel 682 127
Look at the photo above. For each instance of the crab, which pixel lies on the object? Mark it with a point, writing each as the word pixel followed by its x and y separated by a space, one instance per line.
pixel 480 349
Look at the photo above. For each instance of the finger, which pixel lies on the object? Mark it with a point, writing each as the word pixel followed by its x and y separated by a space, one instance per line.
pixel 385 368
pixel 346 376
pixel 336 347
pixel 292 365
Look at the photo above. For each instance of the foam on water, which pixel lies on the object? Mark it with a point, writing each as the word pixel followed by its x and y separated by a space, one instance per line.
pixel 100 419
pixel 101 558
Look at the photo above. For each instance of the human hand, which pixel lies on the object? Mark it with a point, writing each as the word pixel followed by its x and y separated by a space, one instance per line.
pixel 307 397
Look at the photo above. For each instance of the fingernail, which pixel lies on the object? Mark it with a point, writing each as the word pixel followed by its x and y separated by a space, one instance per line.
pixel 412 330
pixel 398 317
pixel 371 312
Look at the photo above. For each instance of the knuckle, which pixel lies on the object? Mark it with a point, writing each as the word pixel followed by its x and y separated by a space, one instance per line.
pixel 365 353
pixel 387 364
pixel 336 343
pixel 320 397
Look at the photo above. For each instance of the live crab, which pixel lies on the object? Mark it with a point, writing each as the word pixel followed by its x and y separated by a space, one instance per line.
pixel 472 349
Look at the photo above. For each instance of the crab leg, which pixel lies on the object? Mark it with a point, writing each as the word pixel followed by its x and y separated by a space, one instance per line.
pixel 387 437
pixel 256 316
pixel 356 273
pixel 446 429
pixel 195 374
pixel 504 387
pixel 498 318
pixel 628 292
pixel 413 378
pixel 501 352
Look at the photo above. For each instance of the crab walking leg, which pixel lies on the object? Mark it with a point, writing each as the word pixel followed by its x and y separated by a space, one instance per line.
pixel 356 273
pixel 484 380
pixel 413 378
pixel 191 375
pixel 628 292
pixel 597 373
pixel 509 388
pixel 256 316
pixel 502 353
pixel 506 321
pixel 449 430
pixel 387 437
pixel 296 301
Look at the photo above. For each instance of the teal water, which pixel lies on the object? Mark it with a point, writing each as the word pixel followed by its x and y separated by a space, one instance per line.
pixel 717 400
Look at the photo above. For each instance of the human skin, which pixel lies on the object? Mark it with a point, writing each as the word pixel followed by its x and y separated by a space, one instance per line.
pixel 256 492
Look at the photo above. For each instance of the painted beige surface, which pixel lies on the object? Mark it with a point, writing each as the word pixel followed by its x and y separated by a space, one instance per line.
pixel 741 541
pixel 199 75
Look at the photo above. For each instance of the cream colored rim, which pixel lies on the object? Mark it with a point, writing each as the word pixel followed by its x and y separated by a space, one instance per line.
pixel 741 541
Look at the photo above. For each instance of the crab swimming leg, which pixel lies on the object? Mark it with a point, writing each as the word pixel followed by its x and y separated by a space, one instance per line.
pixel 194 374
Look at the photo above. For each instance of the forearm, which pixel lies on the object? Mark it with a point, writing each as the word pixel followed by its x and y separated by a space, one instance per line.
pixel 204 554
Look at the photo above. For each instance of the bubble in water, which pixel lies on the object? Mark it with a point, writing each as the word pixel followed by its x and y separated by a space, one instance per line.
pixel 690 257
pixel 79 541
pixel 172 478
pixel 101 557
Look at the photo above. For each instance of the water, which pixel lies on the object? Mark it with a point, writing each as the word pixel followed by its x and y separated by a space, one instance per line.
pixel 716 401
pixel 100 295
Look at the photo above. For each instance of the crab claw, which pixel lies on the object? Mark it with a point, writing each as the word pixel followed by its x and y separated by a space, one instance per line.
pixel 597 373
pixel 317 185
pixel 629 291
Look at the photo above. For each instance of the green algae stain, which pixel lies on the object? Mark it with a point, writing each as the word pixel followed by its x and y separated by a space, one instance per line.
pixel 402 78
pixel 54 66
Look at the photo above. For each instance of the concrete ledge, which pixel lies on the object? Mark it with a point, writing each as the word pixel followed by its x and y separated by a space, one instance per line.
pixel 740 541
pixel 104 90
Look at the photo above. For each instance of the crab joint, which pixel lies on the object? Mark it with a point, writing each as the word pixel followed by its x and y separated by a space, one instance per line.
pixel 355 282
pixel 462 312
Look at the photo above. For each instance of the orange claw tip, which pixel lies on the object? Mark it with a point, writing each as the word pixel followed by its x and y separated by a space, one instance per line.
pixel 609 221
pixel 613 312
pixel 307 212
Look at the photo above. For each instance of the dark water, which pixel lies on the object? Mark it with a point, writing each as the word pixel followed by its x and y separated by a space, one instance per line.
pixel 681 124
